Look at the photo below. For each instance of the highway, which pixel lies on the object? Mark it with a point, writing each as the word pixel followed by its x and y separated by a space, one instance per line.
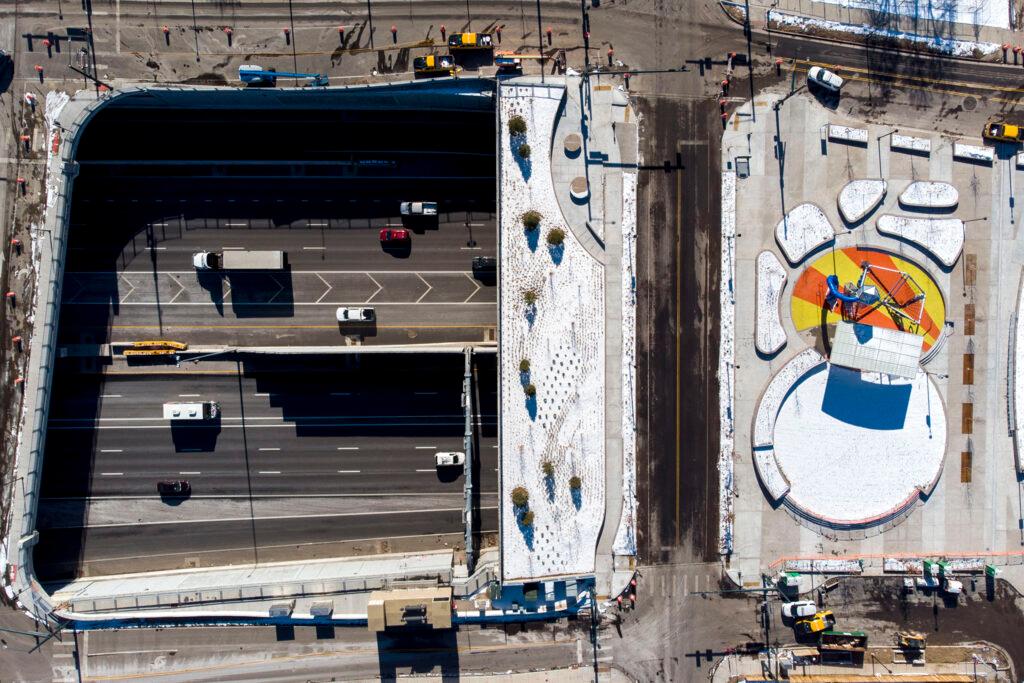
pixel 143 204
pixel 305 456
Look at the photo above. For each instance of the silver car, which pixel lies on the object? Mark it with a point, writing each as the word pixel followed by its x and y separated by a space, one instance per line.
pixel 824 78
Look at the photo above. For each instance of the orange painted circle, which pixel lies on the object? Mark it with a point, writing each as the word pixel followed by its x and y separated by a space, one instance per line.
pixel 808 302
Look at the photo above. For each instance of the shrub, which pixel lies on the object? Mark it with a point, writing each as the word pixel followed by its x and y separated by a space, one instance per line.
pixel 530 297
pixel 548 467
pixel 527 519
pixel 530 390
pixel 520 496
pixel 524 365
pixel 524 151
pixel 531 219
pixel 556 236
pixel 576 483
pixel 517 125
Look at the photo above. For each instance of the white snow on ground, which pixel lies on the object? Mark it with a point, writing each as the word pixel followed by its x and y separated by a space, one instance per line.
pixel 625 535
pixel 803 230
pixel 565 347
pixel 905 565
pixel 1017 386
pixel 973 152
pixel 866 462
pixel 973 12
pixel 909 142
pixel 769 336
pixel 823 566
pixel 858 198
pixel 726 370
pixel 943 238
pixel 930 194
pixel 55 102
pixel 769 473
pixel 848 134
pixel 775 392
pixel 950 46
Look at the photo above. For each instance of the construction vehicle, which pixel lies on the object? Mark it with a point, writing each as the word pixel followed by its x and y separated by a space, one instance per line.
pixel 470 41
pixel 434 64
pixel 1003 132
pixel 238 259
pixel 816 624
pixel 910 640
pixel 191 412
pixel 253 74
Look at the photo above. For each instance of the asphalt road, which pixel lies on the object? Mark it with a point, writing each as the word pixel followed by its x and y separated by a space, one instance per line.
pixel 303 454
pixel 155 187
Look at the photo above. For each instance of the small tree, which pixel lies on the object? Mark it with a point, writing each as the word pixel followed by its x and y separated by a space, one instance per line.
pixel 524 151
pixel 517 125
pixel 530 390
pixel 556 236
pixel 531 219
pixel 527 519
pixel 549 468
pixel 530 297
pixel 520 496
pixel 524 365
pixel 575 483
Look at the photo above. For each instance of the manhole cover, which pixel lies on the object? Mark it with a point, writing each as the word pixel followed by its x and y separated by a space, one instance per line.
pixel 970 103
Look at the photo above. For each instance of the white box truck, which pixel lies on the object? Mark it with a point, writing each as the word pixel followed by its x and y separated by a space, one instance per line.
pixel 191 412
pixel 238 259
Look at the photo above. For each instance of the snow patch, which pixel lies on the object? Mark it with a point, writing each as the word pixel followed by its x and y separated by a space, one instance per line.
pixel 973 153
pixel 775 393
pixel 848 134
pixel 769 335
pixel 563 338
pixel 972 12
pixel 625 535
pixel 726 370
pixel 824 566
pixel 771 476
pixel 930 194
pixel 910 143
pixel 948 46
pixel 943 238
pixel 803 230
pixel 858 198
pixel 858 447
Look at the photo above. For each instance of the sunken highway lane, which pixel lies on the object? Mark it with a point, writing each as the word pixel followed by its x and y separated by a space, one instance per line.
pixel 304 456
pixel 154 187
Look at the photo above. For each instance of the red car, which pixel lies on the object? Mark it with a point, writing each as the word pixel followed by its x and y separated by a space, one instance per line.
pixel 394 236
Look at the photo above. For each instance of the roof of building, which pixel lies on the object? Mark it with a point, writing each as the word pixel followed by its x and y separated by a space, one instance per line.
pixel 876 349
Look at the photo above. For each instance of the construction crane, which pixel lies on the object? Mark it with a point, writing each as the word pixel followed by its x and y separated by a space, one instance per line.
pixel 253 74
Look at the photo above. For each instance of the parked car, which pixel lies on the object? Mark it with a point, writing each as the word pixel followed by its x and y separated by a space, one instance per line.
pixel 391 237
pixel 355 315
pixel 799 609
pixel 418 208
pixel 825 78
pixel 177 489
pixel 485 264
pixel 452 459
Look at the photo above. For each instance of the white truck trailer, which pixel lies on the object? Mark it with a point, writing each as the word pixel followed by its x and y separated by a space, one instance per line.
pixel 191 412
pixel 238 259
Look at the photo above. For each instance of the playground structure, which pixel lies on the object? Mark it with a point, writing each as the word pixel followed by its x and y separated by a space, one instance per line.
pixel 902 299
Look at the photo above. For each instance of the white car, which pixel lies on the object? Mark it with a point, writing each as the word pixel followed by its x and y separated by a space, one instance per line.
pixel 355 315
pixel 452 459
pixel 824 78
pixel 419 208
pixel 799 610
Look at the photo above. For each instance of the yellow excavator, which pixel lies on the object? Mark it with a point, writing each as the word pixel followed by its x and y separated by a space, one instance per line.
pixel 810 626
pixel 910 640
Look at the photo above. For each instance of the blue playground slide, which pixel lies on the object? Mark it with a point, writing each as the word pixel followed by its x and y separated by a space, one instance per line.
pixel 833 289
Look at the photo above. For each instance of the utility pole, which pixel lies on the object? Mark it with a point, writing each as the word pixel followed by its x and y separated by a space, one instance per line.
pixel 540 42
pixel 369 13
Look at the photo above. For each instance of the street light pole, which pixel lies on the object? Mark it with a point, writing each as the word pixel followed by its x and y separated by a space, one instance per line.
pixel 369 13
pixel 540 42
pixel 195 29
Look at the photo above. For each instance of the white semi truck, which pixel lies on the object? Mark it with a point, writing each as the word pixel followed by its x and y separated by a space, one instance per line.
pixel 238 259
pixel 191 412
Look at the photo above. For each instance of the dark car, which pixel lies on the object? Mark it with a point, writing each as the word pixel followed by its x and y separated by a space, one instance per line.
pixel 174 489
pixel 485 264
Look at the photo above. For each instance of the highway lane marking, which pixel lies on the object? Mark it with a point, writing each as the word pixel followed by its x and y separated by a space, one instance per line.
pixel 270 471
pixel 261 395
pixel 236 225
pixel 470 248
pixel 110 396
pixel 430 470
pixel 111 450
pixel 233 248
pixel 111 474
pixel 191 450
pixel 424 448
pixel 426 393
pixel 348 471
pixel 314 248
pixel 188 395
pixel 348 448
pixel 268 518
pixel 156 248
pixel 190 472
pixel 270 449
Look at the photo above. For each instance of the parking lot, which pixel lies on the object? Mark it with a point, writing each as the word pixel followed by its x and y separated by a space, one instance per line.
pixel 156 187
pixel 305 454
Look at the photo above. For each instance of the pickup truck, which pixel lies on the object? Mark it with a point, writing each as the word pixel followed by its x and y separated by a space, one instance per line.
pixel 238 259
pixel 1003 132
